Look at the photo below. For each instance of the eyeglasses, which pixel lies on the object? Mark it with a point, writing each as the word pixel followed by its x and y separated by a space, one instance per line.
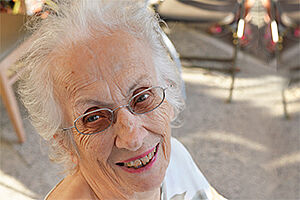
pixel 99 120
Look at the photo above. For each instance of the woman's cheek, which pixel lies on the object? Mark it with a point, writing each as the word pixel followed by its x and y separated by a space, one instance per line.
pixel 98 146
pixel 159 123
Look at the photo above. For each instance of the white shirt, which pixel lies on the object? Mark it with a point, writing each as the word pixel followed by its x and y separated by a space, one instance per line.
pixel 184 180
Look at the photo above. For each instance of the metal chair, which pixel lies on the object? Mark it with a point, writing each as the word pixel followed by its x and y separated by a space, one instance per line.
pixel 223 12
pixel 285 18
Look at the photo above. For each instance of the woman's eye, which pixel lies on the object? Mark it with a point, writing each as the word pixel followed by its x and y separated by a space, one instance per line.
pixel 142 97
pixel 93 118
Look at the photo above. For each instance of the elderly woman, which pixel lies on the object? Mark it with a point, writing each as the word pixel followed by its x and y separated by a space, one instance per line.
pixel 102 89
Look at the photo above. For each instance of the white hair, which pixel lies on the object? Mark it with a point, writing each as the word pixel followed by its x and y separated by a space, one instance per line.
pixel 72 21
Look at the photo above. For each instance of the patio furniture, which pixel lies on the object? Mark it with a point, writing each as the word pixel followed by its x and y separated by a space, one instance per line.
pixel 285 20
pixel 228 13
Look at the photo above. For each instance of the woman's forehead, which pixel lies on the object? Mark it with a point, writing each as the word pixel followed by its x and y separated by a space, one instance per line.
pixel 102 56
pixel 113 62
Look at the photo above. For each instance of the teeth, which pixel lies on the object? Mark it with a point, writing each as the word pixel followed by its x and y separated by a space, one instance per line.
pixel 142 161
pixel 151 154
pixel 137 163
pixel 130 164
pixel 145 160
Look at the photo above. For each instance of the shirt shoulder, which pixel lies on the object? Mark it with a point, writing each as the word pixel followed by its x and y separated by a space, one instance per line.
pixel 183 179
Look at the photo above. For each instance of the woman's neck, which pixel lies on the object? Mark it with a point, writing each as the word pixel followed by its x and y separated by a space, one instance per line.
pixel 99 193
pixel 72 187
pixel 149 195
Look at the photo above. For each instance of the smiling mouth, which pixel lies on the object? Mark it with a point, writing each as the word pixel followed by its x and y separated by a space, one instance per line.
pixel 140 162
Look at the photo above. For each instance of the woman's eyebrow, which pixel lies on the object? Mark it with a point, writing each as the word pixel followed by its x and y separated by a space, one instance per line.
pixel 93 102
pixel 142 79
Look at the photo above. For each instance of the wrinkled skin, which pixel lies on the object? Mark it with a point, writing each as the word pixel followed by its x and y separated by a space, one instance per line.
pixel 109 69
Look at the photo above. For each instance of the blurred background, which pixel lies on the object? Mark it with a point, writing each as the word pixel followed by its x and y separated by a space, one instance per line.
pixel 240 62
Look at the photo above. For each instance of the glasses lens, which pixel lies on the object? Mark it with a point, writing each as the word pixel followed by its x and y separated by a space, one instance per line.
pixel 94 121
pixel 147 100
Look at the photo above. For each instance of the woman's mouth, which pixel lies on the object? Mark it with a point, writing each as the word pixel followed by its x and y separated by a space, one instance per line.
pixel 141 162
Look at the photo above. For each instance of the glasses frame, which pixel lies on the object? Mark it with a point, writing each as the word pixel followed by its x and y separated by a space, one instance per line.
pixel 112 111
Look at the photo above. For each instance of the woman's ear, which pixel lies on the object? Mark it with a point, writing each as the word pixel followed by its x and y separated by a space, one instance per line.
pixel 171 111
pixel 74 158
pixel 72 154
pixel 59 140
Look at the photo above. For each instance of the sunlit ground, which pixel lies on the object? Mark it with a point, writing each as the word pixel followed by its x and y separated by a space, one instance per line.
pixel 248 143
pixel 259 92
pixel 11 187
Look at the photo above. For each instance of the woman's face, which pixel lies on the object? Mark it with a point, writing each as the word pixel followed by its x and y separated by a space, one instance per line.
pixel 106 73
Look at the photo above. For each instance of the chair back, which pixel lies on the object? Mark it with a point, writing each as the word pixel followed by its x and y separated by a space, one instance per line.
pixel 200 11
pixel 286 12
pixel 213 5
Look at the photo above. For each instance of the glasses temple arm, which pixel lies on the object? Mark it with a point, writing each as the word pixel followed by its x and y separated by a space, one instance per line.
pixel 65 129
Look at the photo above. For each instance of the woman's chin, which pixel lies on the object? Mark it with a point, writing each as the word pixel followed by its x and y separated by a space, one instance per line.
pixel 148 185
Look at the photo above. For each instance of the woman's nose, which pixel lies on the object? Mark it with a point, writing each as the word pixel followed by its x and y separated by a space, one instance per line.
pixel 129 133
